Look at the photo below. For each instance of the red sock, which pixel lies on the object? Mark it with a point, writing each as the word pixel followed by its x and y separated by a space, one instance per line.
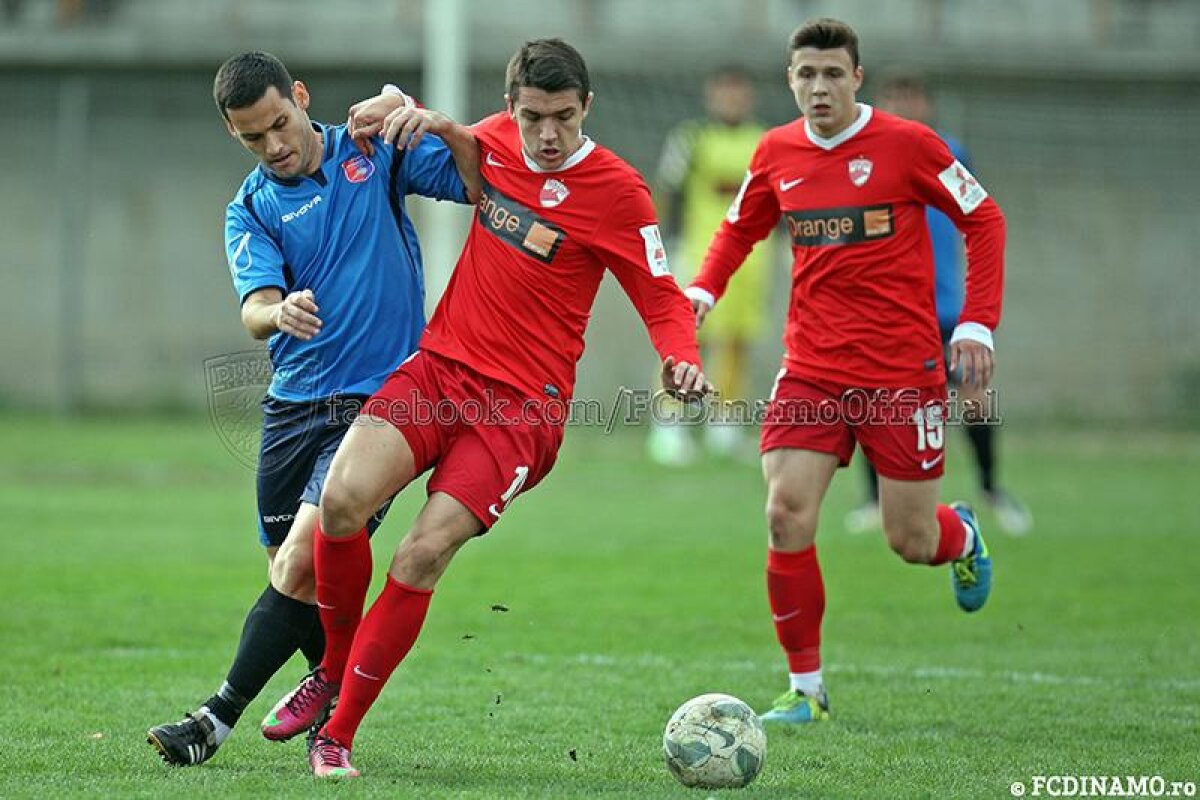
pixel 383 640
pixel 797 595
pixel 953 536
pixel 343 571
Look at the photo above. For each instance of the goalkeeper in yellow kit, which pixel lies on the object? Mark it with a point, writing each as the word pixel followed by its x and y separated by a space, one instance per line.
pixel 702 167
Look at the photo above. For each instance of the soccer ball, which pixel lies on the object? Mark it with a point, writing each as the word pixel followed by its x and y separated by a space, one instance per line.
pixel 715 741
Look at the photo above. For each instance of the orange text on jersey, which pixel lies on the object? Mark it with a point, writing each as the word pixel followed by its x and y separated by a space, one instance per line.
pixel 829 228
pixel 497 216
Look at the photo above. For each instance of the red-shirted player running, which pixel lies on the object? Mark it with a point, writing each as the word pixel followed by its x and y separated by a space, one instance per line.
pixel 863 355
pixel 483 401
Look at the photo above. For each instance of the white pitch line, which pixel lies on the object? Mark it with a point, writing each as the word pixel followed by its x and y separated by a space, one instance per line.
pixel 652 661
pixel 658 662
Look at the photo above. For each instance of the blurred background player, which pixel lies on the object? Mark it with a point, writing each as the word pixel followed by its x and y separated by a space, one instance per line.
pixel 327 267
pixel 861 339
pixel 905 94
pixel 702 165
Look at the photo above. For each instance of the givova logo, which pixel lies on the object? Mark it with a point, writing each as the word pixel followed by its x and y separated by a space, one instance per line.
pixel 302 210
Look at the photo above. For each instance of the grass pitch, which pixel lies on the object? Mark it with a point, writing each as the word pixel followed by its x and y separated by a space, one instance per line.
pixel 130 558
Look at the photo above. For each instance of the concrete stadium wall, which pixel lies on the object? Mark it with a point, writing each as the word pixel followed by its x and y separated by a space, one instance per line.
pixel 114 190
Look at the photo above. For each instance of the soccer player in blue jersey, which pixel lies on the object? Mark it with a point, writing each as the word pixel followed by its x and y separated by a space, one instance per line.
pixel 904 93
pixel 327 266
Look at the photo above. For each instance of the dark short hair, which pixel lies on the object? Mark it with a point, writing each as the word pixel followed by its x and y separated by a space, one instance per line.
pixel 244 79
pixel 825 34
pixel 902 79
pixel 551 65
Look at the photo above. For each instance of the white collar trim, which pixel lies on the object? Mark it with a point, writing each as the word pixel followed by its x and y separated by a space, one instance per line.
pixel 864 116
pixel 583 152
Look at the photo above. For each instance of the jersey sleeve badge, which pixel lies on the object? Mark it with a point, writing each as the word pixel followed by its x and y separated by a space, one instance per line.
pixel 656 254
pixel 963 187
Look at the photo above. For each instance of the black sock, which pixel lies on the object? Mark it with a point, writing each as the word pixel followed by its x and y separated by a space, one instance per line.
pixel 983 441
pixel 275 629
pixel 227 704
pixel 314 646
pixel 872 481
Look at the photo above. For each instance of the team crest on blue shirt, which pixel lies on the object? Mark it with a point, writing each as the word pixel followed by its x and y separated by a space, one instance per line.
pixel 358 168
pixel 553 192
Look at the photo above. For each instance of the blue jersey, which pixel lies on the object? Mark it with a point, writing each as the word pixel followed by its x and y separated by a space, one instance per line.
pixel 948 253
pixel 343 233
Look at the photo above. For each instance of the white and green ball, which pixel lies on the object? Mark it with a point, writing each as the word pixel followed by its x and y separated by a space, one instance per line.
pixel 715 741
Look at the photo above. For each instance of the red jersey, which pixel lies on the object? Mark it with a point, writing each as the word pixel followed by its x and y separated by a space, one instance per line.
pixel 521 294
pixel 862 309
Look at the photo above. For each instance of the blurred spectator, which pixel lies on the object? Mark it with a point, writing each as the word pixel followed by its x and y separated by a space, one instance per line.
pixel 72 12
pixel 702 167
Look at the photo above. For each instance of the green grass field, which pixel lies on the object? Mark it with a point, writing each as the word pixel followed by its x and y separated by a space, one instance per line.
pixel 130 558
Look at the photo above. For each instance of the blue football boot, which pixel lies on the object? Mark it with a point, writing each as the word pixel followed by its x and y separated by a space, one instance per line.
pixel 971 575
pixel 796 708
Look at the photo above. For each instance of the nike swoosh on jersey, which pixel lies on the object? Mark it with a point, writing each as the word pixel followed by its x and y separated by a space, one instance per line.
pixel 492 162
pixel 787 186
pixel 927 465
pixel 782 617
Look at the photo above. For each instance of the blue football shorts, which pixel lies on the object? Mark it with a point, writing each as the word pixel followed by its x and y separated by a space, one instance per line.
pixel 298 444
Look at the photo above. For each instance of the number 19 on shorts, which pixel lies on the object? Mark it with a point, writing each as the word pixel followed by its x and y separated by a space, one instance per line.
pixel 931 428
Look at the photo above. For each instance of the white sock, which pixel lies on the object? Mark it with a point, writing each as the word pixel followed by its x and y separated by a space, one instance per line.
pixel 221 730
pixel 808 683
pixel 968 541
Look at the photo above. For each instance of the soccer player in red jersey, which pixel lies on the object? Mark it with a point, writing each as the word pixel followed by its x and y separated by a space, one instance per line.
pixel 483 401
pixel 863 357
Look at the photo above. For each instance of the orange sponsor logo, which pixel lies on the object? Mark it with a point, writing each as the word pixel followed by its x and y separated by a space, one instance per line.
pixel 877 222
pixel 540 239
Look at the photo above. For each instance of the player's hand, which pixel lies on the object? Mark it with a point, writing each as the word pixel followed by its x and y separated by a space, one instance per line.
pixel 405 126
pixel 973 362
pixel 684 379
pixel 297 315
pixel 366 119
pixel 700 309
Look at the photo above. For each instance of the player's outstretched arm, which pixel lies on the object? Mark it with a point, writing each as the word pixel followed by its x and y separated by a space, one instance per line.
pixel 940 180
pixel 398 119
pixel 267 311
pixel 685 379
pixel 366 117
pixel 406 126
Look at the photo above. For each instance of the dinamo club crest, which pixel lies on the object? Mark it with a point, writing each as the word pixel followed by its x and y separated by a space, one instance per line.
pixel 553 192
pixel 236 384
pixel 860 171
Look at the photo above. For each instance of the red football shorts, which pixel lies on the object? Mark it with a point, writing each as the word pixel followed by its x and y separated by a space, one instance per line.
pixel 901 431
pixel 486 441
